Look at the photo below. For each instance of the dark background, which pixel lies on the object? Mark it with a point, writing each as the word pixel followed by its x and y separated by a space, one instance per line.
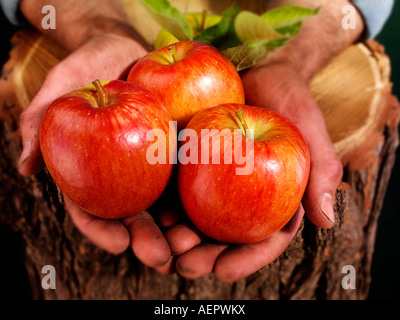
pixel 385 268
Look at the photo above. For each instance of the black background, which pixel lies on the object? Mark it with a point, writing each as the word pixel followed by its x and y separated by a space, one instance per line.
pixel 385 268
pixel 385 275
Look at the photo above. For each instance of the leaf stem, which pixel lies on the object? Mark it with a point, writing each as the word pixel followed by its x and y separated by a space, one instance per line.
pixel 242 120
pixel 101 94
pixel 172 50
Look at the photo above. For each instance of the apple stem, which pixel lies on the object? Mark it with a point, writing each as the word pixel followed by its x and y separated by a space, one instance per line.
pixel 101 94
pixel 242 120
pixel 203 20
pixel 172 50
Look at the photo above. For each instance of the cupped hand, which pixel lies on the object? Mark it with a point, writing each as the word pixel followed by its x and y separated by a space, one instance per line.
pixel 104 57
pixel 277 87
pixel 281 88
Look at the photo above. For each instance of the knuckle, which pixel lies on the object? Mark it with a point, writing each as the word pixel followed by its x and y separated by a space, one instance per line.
pixel 336 168
pixel 25 117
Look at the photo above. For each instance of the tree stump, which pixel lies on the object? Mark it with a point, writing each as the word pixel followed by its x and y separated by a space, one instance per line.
pixel 362 117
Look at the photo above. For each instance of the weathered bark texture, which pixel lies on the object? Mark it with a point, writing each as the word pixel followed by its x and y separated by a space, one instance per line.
pixel 310 268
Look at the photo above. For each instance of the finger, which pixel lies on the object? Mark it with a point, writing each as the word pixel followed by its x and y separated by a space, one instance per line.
pixel 147 241
pixel 168 218
pixel 109 235
pixel 30 160
pixel 298 105
pixel 244 260
pixel 319 197
pixel 182 237
pixel 199 261
pixel 326 169
pixel 168 267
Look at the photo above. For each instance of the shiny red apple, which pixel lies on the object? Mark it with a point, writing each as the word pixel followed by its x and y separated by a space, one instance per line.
pixel 242 201
pixel 94 143
pixel 187 77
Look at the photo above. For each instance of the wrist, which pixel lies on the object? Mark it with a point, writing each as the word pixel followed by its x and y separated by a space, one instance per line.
pixel 320 39
pixel 76 22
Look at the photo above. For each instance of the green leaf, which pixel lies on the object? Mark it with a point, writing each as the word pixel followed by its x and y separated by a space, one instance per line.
pixel 222 35
pixel 251 27
pixel 244 37
pixel 259 40
pixel 169 18
pixel 288 19
pixel 263 35
pixel 249 54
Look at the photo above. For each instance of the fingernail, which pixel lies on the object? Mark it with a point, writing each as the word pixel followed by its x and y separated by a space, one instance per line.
pixel 327 207
pixel 26 153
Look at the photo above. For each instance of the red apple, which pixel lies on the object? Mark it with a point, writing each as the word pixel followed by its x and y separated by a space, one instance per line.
pixel 247 206
pixel 93 141
pixel 187 77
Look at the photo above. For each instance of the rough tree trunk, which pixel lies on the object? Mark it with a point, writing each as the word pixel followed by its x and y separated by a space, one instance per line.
pixel 362 118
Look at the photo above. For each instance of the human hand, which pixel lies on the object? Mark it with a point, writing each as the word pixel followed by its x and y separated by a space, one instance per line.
pixel 105 57
pixel 280 83
pixel 281 88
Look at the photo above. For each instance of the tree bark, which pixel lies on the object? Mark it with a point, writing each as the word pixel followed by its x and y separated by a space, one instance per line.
pixel 310 268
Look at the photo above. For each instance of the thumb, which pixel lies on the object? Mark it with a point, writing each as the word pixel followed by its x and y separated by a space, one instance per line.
pixel 325 174
pixel 320 194
pixel 30 161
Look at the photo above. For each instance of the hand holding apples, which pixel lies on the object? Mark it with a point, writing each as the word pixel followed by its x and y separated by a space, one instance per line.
pixel 290 96
pixel 93 60
pixel 299 106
